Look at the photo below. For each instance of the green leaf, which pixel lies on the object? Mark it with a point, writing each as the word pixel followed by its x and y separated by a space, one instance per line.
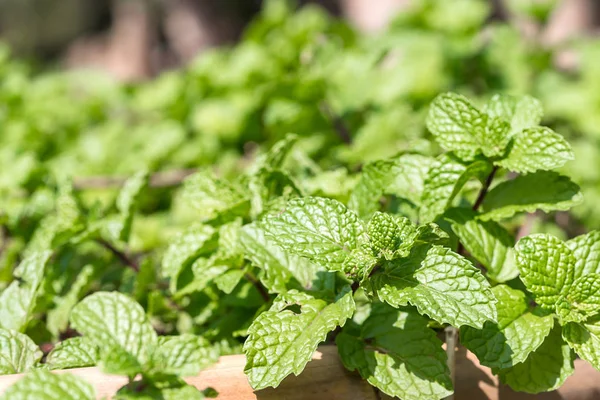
pixel 395 351
pixel 127 201
pixel 18 353
pixel 282 340
pixel 519 331
pixel 274 158
pixel 547 267
pixel 229 280
pixel 18 299
pixel 322 230
pixel 536 149
pixel 281 271
pixel 520 112
pixel 586 250
pixel 384 234
pixel 545 190
pixel 42 384
pixel 185 248
pixel 581 301
pixel 75 352
pixel 487 241
pixel 118 326
pixel 171 388
pixel 212 196
pixel 444 182
pixel 584 338
pixel 440 283
pixel 183 355
pixel 545 369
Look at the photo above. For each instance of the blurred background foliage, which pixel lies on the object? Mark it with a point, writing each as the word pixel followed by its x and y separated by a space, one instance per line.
pixel 95 91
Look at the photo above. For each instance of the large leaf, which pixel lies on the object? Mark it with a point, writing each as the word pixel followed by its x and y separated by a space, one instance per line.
pixel 322 230
pixel 581 301
pixel 487 241
pixel 396 352
pixel 519 331
pixel 440 283
pixel 75 352
pixel 119 327
pixel 545 190
pixel 18 353
pixel 536 149
pixel 584 338
pixel 281 341
pixel 547 267
pixel 545 369
pixel 43 384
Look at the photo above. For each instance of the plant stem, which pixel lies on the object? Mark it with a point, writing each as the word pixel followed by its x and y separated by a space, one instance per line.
pixel 120 255
pixel 259 287
pixel 484 189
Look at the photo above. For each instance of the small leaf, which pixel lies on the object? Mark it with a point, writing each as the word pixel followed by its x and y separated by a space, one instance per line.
pixel 127 202
pixel 229 280
pixel 384 234
pixel 545 369
pixel 581 301
pixel 397 352
pixel 487 241
pixel 75 352
pixel 322 230
pixel 584 338
pixel 536 149
pixel 18 353
pixel 183 355
pixel 42 384
pixel 547 267
pixel 282 341
pixel 545 190
pixel 519 331
pixel 520 112
pixel 118 326
pixel 586 250
pixel 440 283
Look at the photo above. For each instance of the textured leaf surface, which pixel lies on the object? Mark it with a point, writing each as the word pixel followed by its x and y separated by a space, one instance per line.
pixel 396 352
pixel 547 267
pixel 183 355
pixel 18 299
pixel 520 112
pixel 519 331
pixel 487 241
pixel 581 301
pixel 43 384
pixel 18 353
pixel 536 149
pixel 584 338
pixel 117 325
pixel 282 341
pixel 444 181
pixel 440 283
pixel 322 230
pixel 545 190
pixel 384 234
pixel 586 250
pixel 75 352
pixel 545 369
pixel 282 271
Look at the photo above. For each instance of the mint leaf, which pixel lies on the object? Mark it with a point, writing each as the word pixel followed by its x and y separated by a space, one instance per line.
pixel 519 331
pixel 444 182
pixel 536 149
pixel 281 271
pixel 75 352
pixel 322 230
pixel 520 112
pixel 127 203
pixel 547 267
pixel 384 234
pixel 281 341
pixel 545 369
pixel 584 338
pixel 396 352
pixel 586 250
pixel 43 384
pixel 229 280
pixel 408 175
pixel 18 353
pixel 440 283
pixel 18 299
pixel 581 301
pixel 487 241
pixel 545 190
pixel 118 326
pixel 183 355
pixel 276 155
